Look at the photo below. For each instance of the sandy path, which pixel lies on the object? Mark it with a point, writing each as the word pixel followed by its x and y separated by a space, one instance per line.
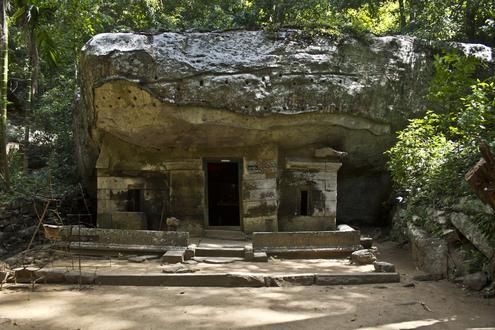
pixel 432 305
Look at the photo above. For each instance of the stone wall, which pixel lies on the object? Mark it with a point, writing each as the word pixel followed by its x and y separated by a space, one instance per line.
pixel 173 184
pixel 260 191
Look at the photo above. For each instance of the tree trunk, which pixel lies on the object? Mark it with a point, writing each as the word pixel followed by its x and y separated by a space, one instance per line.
pixel 402 16
pixel 33 91
pixel 470 20
pixel 4 50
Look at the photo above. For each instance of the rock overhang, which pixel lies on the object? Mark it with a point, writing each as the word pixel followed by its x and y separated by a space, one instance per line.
pixel 238 88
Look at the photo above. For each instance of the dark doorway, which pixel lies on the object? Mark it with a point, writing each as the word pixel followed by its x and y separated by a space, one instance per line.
pixel 223 193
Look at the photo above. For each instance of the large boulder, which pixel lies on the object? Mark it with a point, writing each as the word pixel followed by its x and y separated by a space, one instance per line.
pixel 173 91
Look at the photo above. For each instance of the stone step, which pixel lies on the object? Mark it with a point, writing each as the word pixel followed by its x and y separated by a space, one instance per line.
pixel 235 235
pixel 219 252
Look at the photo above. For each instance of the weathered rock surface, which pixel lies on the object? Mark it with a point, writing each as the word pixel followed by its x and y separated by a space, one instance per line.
pixel 178 269
pixel 429 253
pixel 476 281
pixel 472 232
pixel 244 88
pixel 363 257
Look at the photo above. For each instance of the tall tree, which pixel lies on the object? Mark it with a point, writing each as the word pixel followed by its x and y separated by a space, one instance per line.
pixel 4 49
pixel 29 16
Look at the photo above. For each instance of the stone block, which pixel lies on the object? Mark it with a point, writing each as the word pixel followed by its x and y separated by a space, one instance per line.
pixel 173 256
pixel 185 164
pixel 312 253
pixel 248 252
pixel 128 220
pixel 308 223
pixel 190 252
pixel 260 257
pixel 356 278
pixel 310 239
pixel 260 208
pixel 205 279
pixel 366 242
pixel 260 184
pixel 261 194
pixel 119 236
pixel 107 206
pixel 260 224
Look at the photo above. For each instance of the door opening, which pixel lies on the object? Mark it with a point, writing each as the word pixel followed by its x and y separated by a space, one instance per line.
pixel 223 193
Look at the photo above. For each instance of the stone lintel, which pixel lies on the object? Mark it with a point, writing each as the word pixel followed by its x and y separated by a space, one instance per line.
pixel 326 166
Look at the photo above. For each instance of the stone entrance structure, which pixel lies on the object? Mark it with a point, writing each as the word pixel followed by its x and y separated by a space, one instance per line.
pixel 243 129
pixel 249 189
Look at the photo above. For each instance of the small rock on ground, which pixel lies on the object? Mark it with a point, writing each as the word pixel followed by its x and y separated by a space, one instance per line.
pixel 144 258
pixel 476 281
pixel 178 269
pixel 363 257
pixel 384 267
pixel 221 260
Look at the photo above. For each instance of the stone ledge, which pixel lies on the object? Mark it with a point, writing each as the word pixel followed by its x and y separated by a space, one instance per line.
pixel 305 240
pixel 313 253
pixel 216 279
pixel 108 249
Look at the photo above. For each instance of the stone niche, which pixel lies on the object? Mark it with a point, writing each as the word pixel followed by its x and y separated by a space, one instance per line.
pixel 308 198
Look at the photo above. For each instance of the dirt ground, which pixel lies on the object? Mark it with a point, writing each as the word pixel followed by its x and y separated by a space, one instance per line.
pixel 426 305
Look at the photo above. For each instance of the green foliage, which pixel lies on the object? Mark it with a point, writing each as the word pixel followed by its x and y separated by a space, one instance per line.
pixel 454 76
pixel 417 159
pixel 477 120
pixel 432 153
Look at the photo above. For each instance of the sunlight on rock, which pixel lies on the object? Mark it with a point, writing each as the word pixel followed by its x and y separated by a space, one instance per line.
pixel 405 325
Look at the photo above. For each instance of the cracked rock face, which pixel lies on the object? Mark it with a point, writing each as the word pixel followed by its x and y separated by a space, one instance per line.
pixel 235 89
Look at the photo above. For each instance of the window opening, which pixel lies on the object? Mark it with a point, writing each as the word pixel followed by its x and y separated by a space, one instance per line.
pixel 134 201
pixel 304 206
